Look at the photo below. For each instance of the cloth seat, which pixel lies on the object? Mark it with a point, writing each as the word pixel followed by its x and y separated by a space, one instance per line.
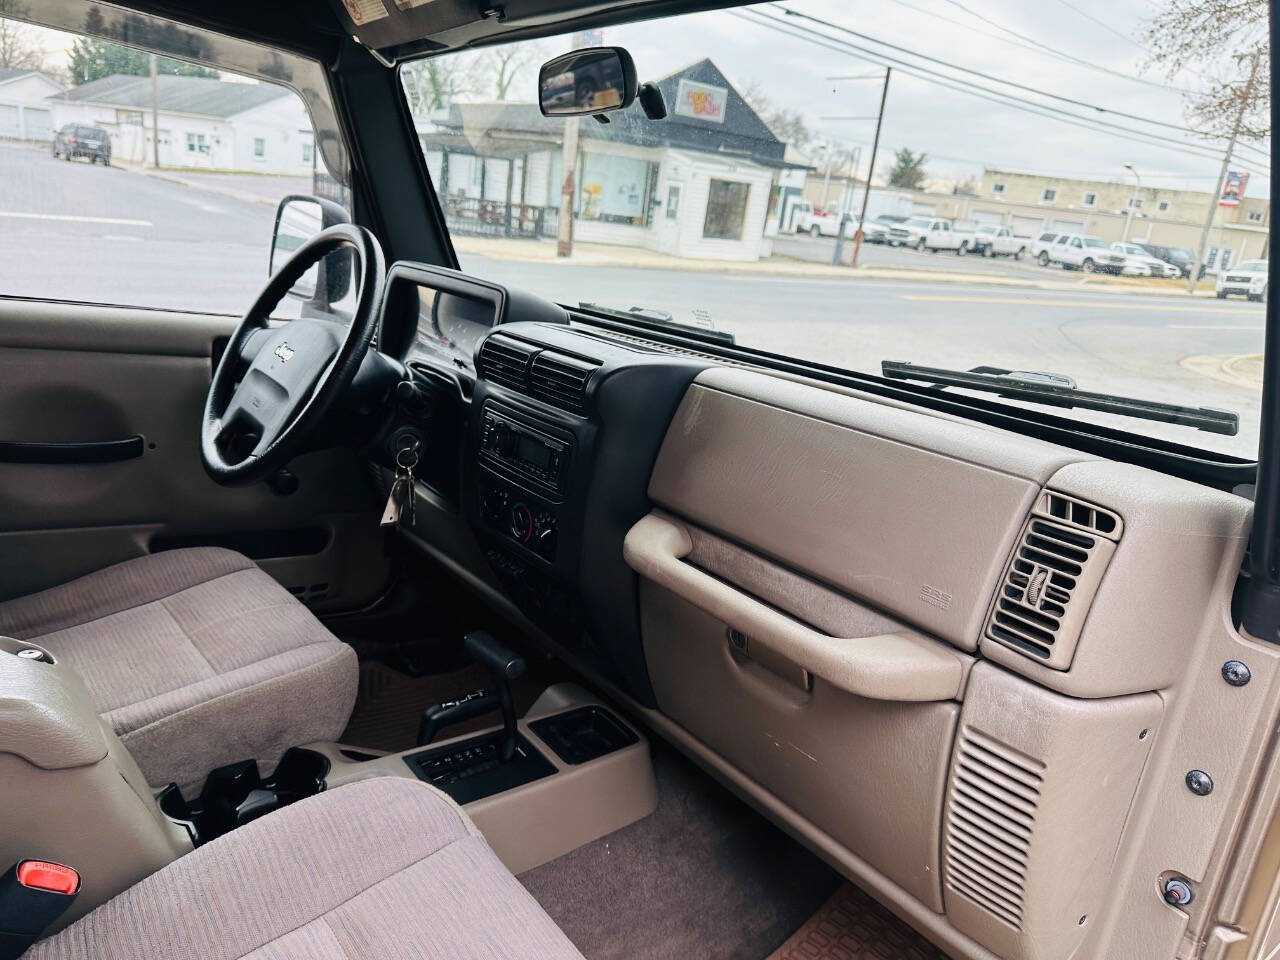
pixel 385 868
pixel 196 658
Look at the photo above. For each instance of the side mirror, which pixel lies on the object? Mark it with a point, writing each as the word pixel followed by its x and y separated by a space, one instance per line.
pixel 298 219
pixel 587 82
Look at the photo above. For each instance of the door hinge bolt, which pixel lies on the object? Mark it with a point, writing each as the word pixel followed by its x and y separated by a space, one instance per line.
pixel 1199 783
pixel 1236 673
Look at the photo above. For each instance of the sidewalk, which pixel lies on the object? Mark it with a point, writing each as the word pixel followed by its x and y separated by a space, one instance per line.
pixel 259 188
pixel 597 254
pixel 1244 370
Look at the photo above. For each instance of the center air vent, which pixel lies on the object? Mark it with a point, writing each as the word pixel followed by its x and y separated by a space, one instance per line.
pixel 991 814
pixel 1049 584
pixel 561 380
pixel 505 360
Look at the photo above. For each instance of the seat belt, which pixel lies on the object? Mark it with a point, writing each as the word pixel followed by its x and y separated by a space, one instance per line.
pixel 33 894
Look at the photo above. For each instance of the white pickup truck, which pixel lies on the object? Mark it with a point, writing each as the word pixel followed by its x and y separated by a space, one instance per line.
pixel 818 223
pixel 932 234
pixel 1080 251
pixel 997 241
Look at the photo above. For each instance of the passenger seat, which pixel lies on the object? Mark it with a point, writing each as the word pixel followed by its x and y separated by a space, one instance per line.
pixel 385 868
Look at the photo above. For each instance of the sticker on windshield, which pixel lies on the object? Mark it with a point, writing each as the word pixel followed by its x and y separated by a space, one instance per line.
pixel 365 11
pixel 407 5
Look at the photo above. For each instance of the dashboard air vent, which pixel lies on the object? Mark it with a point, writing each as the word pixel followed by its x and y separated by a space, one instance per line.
pixel 505 360
pixel 1051 579
pixel 561 380
pixel 991 815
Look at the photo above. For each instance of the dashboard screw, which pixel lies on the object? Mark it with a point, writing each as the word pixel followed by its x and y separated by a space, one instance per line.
pixel 1236 673
pixel 1178 892
pixel 1199 783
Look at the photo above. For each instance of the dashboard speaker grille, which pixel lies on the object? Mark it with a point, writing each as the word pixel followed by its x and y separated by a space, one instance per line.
pixel 506 360
pixel 561 380
pixel 1051 579
pixel 990 820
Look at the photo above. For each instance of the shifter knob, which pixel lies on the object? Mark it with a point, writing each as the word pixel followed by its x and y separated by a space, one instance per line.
pixel 501 661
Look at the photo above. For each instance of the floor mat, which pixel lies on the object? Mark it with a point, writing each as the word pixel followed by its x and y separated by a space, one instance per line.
pixel 702 876
pixel 852 926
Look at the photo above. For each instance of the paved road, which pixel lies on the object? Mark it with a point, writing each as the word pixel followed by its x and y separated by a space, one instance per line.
pixel 822 249
pixel 80 232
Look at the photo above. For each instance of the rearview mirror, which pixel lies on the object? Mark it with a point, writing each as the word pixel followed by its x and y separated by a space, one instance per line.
pixel 586 82
pixel 298 219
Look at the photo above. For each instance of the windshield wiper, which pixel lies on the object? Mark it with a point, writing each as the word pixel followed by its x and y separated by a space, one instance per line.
pixel 1056 390
pixel 647 316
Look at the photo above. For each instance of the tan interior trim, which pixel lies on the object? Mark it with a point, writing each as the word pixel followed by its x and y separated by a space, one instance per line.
pixel 901 665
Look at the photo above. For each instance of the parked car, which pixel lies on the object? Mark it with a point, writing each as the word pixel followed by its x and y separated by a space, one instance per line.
pixel 1247 278
pixel 993 240
pixel 932 234
pixel 1139 263
pixel 819 223
pixel 1083 251
pixel 1180 257
pixel 1041 245
pixel 879 229
pixel 77 140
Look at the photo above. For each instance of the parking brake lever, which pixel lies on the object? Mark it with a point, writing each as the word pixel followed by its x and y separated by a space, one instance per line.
pixel 504 665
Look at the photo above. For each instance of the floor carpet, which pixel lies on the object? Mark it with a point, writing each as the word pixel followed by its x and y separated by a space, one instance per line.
pixel 703 876
pixel 852 926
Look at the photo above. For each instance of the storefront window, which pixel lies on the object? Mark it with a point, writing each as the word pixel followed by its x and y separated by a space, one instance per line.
pixel 614 189
pixel 673 203
pixel 726 210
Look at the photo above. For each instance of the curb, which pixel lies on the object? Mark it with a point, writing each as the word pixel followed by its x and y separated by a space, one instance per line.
pixel 1243 370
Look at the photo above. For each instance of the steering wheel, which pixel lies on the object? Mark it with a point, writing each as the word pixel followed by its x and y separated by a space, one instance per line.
pixel 257 419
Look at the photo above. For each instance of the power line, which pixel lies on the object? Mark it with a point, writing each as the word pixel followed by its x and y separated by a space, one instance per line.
pixel 978 73
pixel 1105 26
pixel 953 83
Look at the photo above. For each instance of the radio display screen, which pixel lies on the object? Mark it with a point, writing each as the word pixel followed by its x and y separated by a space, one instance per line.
pixel 533 451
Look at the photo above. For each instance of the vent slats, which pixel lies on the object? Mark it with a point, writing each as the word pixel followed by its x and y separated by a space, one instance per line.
pixel 561 380
pixel 990 820
pixel 505 360
pixel 1041 604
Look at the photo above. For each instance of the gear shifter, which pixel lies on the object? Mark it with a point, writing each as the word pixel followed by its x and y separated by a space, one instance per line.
pixel 504 665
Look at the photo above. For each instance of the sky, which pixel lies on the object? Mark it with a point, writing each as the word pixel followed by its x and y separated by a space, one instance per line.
pixel 959 131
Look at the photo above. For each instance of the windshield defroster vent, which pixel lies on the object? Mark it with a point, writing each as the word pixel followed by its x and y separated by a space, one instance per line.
pixel 506 361
pixel 561 380
pixel 1051 579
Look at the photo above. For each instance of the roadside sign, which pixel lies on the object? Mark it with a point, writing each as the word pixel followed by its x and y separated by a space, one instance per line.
pixel 1233 186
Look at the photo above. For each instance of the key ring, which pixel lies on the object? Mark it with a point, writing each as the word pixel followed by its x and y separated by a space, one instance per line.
pixel 407 457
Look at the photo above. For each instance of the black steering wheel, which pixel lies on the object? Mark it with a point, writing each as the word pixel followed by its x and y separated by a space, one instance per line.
pixel 274 385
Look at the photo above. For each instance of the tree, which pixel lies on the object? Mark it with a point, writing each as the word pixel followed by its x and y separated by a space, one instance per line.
pixel 1217 40
pixel 19 49
pixel 91 58
pixel 507 62
pixel 434 83
pixel 968 187
pixel 908 169
pixel 789 126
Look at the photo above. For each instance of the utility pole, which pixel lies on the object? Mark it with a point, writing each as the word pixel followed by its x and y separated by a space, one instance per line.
pixel 871 169
pixel 569 168
pixel 1222 176
pixel 826 178
pixel 1137 185
pixel 155 113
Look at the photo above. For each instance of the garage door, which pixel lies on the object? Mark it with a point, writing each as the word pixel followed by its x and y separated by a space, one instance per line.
pixel 38 124
pixel 1067 226
pixel 988 217
pixel 8 120
pixel 1027 226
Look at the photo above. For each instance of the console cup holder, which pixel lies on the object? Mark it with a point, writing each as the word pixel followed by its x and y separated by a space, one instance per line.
pixel 235 794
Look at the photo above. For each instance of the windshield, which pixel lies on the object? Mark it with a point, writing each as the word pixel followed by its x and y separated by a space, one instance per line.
pixel 1254 266
pixel 707 216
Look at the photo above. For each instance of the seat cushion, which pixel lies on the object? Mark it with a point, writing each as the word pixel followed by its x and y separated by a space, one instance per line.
pixel 196 658
pixel 386 868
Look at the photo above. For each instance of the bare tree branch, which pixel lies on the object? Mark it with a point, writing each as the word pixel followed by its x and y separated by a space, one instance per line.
pixel 19 48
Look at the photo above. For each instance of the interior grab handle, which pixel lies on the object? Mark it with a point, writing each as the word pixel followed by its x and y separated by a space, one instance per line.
pixel 902 666
pixel 96 451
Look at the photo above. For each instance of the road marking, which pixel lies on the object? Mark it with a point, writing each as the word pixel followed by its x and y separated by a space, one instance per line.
pixel 1210 326
pixel 119 221
pixel 1027 302
pixel 116 237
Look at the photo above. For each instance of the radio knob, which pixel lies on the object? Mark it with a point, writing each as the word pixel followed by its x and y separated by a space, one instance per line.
pixel 520 522
pixel 504 441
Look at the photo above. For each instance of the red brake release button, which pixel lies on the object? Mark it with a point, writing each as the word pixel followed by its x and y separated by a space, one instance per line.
pixel 53 877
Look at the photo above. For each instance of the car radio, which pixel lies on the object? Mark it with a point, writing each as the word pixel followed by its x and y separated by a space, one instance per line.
pixel 523 450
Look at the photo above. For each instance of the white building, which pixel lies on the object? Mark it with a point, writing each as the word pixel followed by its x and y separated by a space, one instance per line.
pixel 204 122
pixel 24 107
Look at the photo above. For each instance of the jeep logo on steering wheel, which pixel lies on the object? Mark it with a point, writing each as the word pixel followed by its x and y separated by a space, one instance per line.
pixel 284 352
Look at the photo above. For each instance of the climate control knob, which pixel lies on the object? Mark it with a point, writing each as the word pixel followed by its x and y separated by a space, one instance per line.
pixel 520 522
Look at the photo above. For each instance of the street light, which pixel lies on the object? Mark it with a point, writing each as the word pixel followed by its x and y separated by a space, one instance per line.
pixel 1137 185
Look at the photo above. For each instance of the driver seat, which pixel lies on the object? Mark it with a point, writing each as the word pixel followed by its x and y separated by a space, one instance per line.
pixel 196 658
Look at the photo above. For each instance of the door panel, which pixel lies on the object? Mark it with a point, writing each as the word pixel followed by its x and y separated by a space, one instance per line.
pixel 86 374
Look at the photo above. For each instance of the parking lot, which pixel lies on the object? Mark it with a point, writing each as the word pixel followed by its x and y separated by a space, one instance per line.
pixel 79 232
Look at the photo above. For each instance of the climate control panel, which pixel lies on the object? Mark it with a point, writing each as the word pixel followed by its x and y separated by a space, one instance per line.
pixel 520 518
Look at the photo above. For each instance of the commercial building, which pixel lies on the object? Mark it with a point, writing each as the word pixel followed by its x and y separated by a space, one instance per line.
pixel 203 122
pixel 703 183
pixel 24 110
